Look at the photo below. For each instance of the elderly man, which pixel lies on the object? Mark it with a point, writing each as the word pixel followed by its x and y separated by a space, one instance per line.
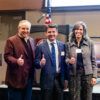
pixel 19 56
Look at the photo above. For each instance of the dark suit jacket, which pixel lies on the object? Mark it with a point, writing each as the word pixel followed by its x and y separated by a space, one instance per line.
pixel 47 72
pixel 17 76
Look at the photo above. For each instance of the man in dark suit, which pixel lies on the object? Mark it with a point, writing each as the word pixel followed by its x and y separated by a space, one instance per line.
pixel 19 56
pixel 52 65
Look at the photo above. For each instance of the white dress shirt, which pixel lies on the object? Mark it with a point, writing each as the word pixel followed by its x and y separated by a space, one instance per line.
pixel 57 53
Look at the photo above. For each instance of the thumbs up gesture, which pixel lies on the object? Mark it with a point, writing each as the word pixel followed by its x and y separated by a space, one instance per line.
pixel 20 60
pixel 43 61
pixel 72 60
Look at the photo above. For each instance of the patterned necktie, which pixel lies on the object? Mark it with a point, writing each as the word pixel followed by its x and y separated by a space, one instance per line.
pixel 53 53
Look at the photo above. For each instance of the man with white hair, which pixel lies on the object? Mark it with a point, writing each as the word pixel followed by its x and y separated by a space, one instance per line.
pixel 19 56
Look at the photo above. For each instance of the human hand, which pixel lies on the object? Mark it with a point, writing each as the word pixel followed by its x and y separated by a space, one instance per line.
pixel 20 60
pixel 93 81
pixel 65 84
pixel 72 60
pixel 43 61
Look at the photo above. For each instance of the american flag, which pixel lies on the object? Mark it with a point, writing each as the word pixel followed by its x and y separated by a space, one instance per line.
pixel 48 14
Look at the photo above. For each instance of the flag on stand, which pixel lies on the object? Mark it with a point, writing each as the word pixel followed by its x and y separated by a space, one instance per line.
pixel 48 14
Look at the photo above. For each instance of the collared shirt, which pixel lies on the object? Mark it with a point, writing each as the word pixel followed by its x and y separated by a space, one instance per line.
pixel 27 38
pixel 57 54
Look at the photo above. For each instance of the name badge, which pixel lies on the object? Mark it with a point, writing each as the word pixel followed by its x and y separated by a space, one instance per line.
pixel 78 51
pixel 62 53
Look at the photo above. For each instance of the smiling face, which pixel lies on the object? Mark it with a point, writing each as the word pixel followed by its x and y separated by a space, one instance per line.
pixel 51 34
pixel 24 31
pixel 79 32
pixel 24 28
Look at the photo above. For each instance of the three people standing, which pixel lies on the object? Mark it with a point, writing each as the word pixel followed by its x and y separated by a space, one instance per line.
pixel 55 60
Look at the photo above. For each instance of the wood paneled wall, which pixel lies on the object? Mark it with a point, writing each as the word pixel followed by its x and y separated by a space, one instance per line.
pixel 20 4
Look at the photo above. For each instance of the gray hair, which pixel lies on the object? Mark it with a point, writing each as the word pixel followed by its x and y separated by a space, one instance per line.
pixel 76 26
pixel 24 22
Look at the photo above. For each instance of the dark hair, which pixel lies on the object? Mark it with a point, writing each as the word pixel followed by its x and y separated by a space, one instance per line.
pixel 51 26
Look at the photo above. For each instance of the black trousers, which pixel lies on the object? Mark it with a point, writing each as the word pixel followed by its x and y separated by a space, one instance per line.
pixel 55 93
pixel 80 87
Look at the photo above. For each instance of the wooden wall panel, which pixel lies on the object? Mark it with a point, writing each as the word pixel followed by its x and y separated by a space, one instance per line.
pixel 20 4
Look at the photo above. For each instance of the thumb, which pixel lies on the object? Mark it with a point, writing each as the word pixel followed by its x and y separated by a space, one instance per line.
pixel 21 56
pixel 43 56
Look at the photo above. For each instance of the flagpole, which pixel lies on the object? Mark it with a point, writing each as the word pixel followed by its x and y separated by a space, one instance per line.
pixel 48 14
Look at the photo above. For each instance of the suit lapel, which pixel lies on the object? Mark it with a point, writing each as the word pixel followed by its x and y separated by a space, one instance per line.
pixel 32 45
pixel 21 45
pixel 47 50
pixel 59 51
